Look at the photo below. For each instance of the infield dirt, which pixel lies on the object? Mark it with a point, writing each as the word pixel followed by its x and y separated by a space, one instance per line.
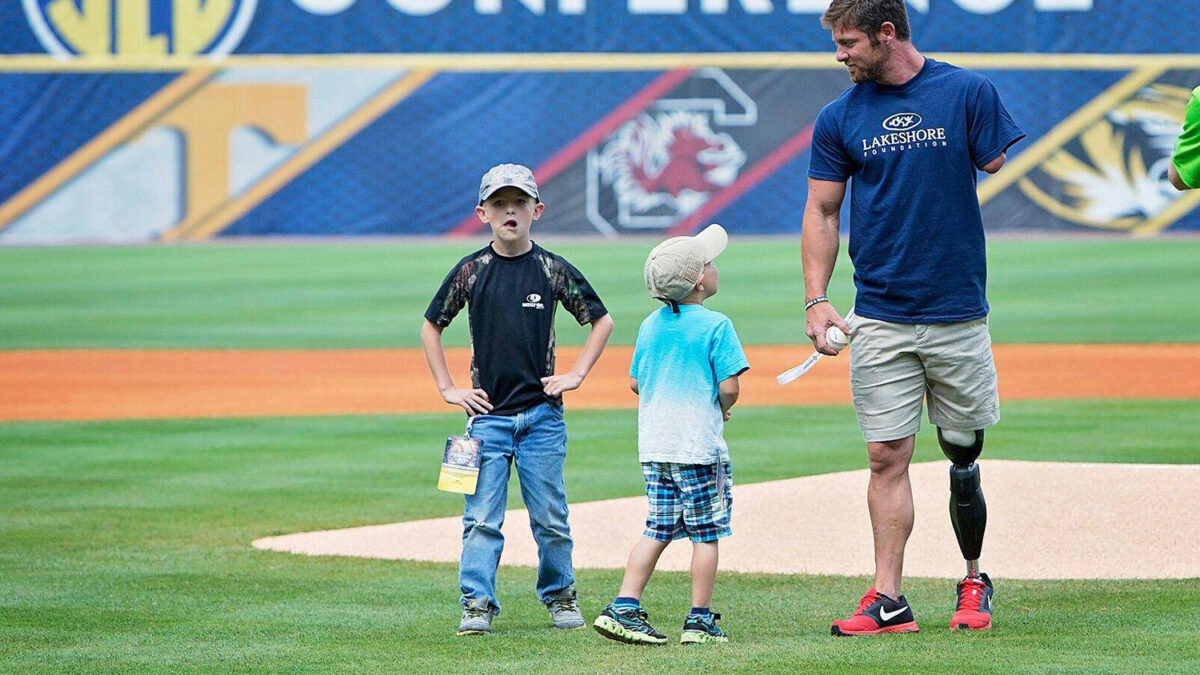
pixel 142 384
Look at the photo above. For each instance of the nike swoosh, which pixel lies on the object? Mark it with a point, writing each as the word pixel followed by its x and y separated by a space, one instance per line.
pixel 888 616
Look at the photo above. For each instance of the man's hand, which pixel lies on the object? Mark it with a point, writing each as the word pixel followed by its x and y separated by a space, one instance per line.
pixel 557 384
pixel 474 401
pixel 819 318
pixel 726 414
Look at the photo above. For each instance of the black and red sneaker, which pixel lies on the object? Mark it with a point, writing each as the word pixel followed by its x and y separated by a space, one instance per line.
pixel 974 608
pixel 877 613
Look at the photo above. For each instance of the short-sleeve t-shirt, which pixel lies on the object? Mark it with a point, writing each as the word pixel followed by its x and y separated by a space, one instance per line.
pixel 678 361
pixel 912 150
pixel 1187 149
pixel 512 302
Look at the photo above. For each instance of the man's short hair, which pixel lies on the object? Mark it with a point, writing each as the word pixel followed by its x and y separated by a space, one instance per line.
pixel 867 16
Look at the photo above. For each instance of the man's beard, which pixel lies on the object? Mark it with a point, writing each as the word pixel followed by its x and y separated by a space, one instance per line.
pixel 872 72
pixel 863 73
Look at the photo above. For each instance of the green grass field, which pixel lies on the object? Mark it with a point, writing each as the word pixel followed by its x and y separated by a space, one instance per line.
pixel 374 294
pixel 125 546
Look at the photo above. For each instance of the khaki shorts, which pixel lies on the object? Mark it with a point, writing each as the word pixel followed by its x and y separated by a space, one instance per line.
pixel 893 366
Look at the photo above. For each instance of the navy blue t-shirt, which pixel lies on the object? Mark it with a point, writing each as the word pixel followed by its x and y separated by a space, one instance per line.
pixel 916 235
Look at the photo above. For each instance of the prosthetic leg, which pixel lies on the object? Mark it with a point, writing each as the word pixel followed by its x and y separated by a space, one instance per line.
pixel 968 511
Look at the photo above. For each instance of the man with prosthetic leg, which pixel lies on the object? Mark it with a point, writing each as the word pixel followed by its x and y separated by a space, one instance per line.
pixel 912 135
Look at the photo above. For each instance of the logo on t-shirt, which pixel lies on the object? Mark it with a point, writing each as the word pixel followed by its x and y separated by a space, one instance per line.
pixel 533 301
pixel 906 134
pixel 902 121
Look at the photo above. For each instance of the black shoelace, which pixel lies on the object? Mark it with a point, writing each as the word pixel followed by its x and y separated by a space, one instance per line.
pixel 564 604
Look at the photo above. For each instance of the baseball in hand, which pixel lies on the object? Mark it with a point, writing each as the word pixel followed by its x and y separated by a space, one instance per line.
pixel 836 338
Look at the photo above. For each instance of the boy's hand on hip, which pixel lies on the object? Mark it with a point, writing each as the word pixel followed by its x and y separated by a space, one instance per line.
pixel 557 384
pixel 474 401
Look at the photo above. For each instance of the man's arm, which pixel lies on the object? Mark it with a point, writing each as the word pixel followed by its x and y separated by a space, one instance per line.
pixel 819 241
pixel 994 165
pixel 474 401
pixel 1175 178
pixel 633 385
pixel 557 384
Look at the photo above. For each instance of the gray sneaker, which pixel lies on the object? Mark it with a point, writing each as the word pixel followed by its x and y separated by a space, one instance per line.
pixel 564 610
pixel 476 620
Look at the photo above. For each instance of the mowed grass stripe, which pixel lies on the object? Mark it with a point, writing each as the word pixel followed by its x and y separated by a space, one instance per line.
pixel 345 471
pixel 373 294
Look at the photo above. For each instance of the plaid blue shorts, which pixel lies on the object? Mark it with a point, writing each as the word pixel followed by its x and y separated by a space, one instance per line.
pixel 692 500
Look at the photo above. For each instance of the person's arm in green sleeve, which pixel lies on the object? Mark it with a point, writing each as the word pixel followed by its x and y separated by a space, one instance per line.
pixel 1184 171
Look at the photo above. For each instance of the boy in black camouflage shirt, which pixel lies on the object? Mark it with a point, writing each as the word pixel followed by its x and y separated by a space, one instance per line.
pixel 515 401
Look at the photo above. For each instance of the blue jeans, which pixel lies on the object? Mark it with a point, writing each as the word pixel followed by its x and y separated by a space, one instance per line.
pixel 537 440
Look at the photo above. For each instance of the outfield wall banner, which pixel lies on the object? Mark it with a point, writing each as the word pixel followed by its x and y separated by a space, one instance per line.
pixel 164 120
pixel 342 151
pixel 166 27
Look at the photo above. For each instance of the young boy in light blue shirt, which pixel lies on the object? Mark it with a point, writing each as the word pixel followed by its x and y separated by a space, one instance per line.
pixel 685 371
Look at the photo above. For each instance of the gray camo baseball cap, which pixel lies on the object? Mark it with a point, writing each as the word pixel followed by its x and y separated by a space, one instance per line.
pixel 507 175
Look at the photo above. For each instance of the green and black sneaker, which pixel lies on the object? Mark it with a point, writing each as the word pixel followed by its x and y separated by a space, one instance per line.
pixel 628 626
pixel 699 628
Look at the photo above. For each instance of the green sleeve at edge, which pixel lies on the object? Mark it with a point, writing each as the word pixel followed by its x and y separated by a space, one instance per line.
pixel 1186 157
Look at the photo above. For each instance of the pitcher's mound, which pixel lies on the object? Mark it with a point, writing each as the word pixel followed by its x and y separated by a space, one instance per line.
pixel 1046 520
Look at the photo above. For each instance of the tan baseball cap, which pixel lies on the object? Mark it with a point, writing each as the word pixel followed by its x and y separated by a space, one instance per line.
pixel 674 266
pixel 507 175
